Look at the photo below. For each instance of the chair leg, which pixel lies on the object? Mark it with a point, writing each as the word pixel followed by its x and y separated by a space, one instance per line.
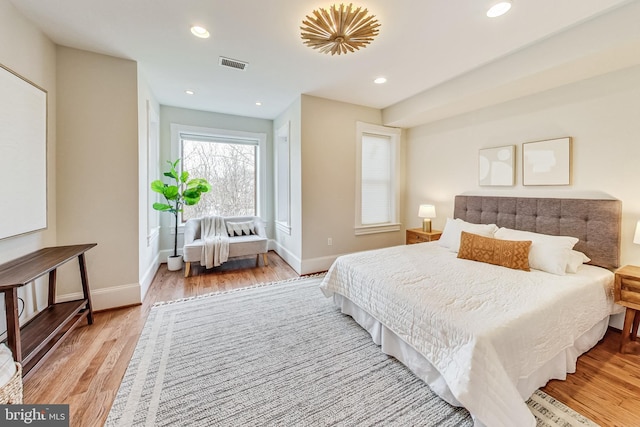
pixel 187 269
pixel 264 257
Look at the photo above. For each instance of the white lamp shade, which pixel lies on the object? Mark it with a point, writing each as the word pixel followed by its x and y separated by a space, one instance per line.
pixel 427 211
pixel 636 236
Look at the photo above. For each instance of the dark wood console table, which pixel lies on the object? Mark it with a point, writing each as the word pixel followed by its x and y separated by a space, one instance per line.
pixel 41 334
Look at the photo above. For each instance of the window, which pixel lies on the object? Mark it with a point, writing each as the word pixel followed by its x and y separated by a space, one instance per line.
pixel 378 182
pixel 231 162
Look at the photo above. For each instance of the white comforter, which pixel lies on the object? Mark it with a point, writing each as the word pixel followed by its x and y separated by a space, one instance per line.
pixel 482 326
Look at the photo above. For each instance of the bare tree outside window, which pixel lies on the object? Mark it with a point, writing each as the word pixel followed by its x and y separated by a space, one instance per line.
pixel 230 169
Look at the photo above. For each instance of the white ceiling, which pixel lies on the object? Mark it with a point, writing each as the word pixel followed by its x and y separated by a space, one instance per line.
pixel 422 44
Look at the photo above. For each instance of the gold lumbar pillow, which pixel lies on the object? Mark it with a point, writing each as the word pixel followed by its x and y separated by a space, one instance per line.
pixel 507 253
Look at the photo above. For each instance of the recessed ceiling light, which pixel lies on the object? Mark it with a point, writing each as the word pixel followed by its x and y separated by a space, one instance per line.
pixel 200 32
pixel 258 103
pixel 499 9
pixel 380 80
pixel 189 92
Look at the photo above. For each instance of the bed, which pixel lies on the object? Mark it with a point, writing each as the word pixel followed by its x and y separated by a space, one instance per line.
pixel 484 336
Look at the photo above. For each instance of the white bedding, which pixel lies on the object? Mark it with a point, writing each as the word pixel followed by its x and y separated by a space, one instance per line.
pixel 481 326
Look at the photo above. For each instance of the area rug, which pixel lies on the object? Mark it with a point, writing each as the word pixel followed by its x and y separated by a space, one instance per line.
pixel 278 354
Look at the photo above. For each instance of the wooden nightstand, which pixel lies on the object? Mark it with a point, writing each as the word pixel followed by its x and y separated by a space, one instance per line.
pixel 416 235
pixel 627 293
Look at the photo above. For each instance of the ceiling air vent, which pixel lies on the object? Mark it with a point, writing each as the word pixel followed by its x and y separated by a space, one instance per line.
pixel 233 63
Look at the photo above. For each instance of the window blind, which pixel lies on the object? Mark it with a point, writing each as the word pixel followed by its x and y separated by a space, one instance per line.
pixel 377 179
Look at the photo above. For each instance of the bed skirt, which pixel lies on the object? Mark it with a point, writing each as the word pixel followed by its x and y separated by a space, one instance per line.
pixel 391 344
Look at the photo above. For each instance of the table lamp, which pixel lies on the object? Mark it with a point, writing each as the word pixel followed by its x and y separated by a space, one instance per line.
pixel 427 212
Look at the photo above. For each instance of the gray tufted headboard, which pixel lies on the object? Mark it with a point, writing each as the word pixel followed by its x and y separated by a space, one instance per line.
pixel 595 222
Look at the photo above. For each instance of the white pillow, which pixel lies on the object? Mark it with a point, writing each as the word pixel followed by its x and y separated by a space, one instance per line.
pixel 450 237
pixel 576 259
pixel 548 253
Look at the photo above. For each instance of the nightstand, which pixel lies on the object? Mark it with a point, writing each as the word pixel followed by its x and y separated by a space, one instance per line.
pixel 627 294
pixel 416 235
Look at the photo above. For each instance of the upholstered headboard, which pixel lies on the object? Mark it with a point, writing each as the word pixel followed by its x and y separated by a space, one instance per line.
pixel 595 222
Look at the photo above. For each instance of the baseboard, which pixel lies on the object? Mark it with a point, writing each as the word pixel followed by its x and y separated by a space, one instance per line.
pixel 307 266
pixel 316 265
pixel 286 255
pixel 102 299
pixel 147 278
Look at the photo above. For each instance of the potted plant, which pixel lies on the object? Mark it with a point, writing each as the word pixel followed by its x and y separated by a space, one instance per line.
pixel 185 191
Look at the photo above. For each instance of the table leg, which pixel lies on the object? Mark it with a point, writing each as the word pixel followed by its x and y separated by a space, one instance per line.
pixel 52 287
pixel 13 323
pixel 85 287
pixel 626 329
pixel 636 322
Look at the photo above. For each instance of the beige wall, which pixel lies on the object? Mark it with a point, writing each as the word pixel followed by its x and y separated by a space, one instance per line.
pixel 28 52
pixel 97 170
pixel 328 161
pixel 600 114
pixel 92 161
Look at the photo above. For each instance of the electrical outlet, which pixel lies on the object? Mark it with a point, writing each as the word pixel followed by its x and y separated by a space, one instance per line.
pixel 329 241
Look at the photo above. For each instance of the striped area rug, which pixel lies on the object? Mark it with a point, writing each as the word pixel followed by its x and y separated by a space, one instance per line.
pixel 278 354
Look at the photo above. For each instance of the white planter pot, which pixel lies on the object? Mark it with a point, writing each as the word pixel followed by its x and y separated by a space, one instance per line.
pixel 174 263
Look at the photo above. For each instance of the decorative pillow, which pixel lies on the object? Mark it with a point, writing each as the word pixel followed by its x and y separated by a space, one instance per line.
pixel 548 253
pixel 576 259
pixel 507 253
pixel 240 228
pixel 451 234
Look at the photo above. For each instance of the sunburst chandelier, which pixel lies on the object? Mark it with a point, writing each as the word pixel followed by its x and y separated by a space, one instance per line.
pixel 339 29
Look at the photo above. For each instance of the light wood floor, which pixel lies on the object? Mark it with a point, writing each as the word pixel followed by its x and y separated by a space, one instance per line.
pixel 86 370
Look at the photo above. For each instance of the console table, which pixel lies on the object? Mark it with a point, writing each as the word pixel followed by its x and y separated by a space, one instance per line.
pixel 41 334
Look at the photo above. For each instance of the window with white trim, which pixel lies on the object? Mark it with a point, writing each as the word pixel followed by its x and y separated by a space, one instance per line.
pixel 232 162
pixel 377 179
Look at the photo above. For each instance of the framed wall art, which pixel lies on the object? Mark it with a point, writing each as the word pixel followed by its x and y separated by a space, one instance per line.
pixel 496 166
pixel 23 150
pixel 547 162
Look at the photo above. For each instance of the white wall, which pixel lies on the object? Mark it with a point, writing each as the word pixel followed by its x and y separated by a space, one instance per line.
pixel 97 172
pixel 600 114
pixel 595 47
pixel 28 52
pixel 289 246
pixel 148 149
pixel 183 116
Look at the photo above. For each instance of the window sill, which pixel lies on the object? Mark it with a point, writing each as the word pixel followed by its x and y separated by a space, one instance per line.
pixel 374 229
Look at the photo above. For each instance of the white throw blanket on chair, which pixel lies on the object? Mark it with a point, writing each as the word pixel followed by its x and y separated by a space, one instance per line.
pixel 215 249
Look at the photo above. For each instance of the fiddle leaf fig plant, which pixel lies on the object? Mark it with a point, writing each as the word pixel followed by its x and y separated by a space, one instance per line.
pixel 184 191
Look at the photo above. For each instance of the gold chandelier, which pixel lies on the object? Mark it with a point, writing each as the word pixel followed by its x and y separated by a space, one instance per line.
pixel 339 29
